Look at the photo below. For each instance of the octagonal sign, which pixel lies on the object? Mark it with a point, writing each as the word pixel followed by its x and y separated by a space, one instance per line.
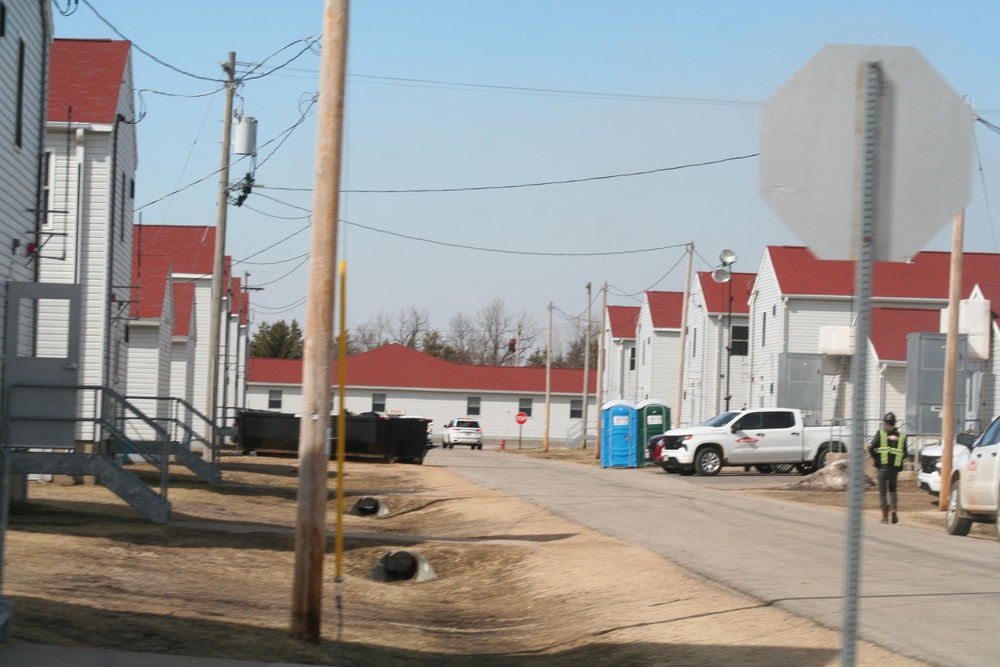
pixel 810 152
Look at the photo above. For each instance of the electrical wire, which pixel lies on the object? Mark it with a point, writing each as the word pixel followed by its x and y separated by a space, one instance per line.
pixel 67 12
pixel 533 253
pixel 281 261
pixel 277 310
pixel 537 184
pixel 144 51
pixel 277 217
pixel 986 195
pixel 309 41
pixel 660 280
pixel 282 277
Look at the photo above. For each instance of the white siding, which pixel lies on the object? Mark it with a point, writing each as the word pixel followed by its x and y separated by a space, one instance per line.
pixel 497 409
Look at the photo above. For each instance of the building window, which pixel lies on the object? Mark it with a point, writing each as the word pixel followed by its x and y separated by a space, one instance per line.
pixel 274 399
pixel 3 20
pixel 472 406
pixel 524 405
pixel 694 343
pixel 378 402
pixel 19 110
pixel 763 330
pixel 576 408
pixel 631 358
pixel 740 341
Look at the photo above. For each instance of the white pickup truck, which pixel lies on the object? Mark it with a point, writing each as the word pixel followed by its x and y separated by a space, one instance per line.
pixel 975 483
pixel 773 437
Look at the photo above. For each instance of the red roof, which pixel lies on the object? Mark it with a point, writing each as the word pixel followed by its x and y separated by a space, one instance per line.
pixel 150 278
pixel 183 303
pixel 717 294
pixel 403 367
pixel 623 320
pixel 665 309
pixel 192 248
pixel 86 74
pixel 925 277
pixel 890 326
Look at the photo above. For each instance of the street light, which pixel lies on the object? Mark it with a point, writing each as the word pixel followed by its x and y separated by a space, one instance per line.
pixel 724 274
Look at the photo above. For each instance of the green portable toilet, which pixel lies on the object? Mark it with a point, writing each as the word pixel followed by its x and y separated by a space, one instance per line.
pixel 653 418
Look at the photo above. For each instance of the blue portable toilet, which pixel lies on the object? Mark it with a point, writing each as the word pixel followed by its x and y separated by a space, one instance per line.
pixel 618 435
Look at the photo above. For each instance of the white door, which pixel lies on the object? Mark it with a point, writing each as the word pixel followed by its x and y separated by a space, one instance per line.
pixel 42 349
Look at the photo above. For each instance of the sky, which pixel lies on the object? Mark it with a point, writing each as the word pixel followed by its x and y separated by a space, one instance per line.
pixel 472 94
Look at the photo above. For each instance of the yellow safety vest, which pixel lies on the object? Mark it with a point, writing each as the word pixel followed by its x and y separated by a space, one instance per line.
pixel 885 449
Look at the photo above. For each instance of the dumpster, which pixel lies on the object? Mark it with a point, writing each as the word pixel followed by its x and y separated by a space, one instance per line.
pixel 652 418
pixel 619 435
pixel 369 436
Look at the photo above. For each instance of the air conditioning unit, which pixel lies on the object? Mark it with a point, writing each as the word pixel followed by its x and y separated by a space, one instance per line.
pixel 974 321
pixel 836 341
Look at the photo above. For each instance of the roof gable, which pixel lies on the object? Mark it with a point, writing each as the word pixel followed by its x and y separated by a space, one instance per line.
pixel 183 308
pixel 87 75
pixel 191 248
pixel 150 278
pixel 717 294
pixel 623 320
pixel 665 309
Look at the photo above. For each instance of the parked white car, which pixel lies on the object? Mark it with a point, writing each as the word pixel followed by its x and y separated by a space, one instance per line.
pixel 462 432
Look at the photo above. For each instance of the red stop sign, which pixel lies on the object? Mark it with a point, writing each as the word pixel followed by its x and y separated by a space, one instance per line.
pixel 521 418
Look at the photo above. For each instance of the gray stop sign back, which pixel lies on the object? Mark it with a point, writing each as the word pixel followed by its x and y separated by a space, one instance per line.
pixel 810 152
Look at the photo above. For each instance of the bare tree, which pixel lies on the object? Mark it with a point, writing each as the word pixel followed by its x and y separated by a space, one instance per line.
pixel 410 326
pixel 526 329
pixel 462 339
pixel 496 328
pixel 374 333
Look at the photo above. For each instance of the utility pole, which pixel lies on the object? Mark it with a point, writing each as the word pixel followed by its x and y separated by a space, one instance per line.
pixel 214 322
pixel 600 371
pixel 676 417
pixel 548 380
pixel 317 389
pixel 950 358
pixel 586 369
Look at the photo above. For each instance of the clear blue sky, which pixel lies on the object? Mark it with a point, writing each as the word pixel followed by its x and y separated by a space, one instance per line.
pixel 674 83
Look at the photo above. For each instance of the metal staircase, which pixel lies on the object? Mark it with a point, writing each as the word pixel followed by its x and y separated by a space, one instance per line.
pixel 122 433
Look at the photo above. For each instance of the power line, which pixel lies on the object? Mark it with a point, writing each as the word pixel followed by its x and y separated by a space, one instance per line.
pixel 537 184
pixel 660 280
pixel 144 51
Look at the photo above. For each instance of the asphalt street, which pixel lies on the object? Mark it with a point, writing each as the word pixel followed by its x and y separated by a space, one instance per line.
pixel 924 593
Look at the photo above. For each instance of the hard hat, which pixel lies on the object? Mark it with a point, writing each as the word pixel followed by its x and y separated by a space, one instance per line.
pixel 890 418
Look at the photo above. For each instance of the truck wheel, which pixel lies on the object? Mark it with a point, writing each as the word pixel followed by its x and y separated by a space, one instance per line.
pixel 806 467
pixel 708 461
pixel 764 469
pixel 783 468
pixel 954 523
pixel 821 458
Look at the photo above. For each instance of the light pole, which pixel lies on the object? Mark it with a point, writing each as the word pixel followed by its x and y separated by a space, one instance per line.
pixel 724 274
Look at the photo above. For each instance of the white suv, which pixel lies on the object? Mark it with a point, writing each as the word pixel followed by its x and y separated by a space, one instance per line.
pixel 462 432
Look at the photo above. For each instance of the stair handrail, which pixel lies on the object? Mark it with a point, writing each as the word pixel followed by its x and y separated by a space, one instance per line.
pixel 189 432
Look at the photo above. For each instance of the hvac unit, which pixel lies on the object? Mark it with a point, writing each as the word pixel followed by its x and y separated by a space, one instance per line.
pixel 974 322
pixel 837 341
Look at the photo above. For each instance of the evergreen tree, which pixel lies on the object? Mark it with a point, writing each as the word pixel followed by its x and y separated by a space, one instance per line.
pixel 277 341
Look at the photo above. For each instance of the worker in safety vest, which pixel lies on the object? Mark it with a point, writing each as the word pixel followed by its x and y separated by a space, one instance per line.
pixel 888 452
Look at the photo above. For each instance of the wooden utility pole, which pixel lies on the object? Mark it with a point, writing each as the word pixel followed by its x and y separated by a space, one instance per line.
pixel 600 370
pixel 676 416
pixel 548 380
pixel 310 529
pixel 950 355
pixel 586 368
pixel 215 319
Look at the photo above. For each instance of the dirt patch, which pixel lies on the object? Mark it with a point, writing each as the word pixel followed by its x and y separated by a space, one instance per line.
pixel 515 585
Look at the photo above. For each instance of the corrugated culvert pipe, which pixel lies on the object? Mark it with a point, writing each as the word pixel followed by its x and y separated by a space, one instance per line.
pixel 403 566
pixel 369 506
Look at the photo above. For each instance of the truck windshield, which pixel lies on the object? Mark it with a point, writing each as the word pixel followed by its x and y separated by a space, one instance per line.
pixel 720 420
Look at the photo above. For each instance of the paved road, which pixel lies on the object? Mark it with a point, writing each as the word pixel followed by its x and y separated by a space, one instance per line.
pixel 940 594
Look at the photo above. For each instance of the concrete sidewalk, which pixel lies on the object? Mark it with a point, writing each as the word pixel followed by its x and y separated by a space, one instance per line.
pixel 41 655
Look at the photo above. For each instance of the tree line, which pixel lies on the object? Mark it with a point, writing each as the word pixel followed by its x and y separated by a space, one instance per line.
pixel 492 336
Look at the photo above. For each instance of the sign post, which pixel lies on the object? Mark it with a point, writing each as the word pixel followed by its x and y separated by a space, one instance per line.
pixel 844 145
pixel 521 418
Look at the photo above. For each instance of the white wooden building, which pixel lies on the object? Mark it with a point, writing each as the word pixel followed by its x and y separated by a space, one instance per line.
pixel 86 235
pixel 396 380
pixel 619 353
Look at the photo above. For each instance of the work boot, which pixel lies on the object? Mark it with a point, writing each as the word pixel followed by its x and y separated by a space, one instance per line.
pixel 895 518
pixel 885 514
